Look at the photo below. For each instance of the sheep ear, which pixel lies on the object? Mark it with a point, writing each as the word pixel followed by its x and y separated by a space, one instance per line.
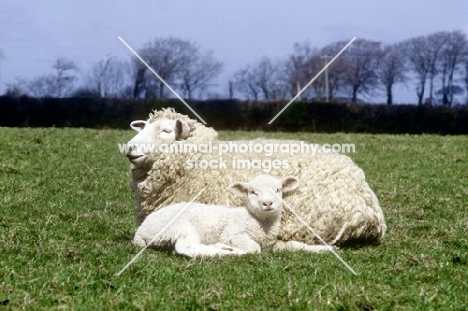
pixel 182 129
pixel 239 189
pixel 289 183
pixel 138 125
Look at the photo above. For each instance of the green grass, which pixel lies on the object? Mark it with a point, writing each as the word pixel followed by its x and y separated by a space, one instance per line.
pixel 66 225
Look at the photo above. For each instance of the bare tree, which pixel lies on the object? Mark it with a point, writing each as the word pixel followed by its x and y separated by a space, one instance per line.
pixel 436 43
pixel 306 62
pixel 261 80
pixel 466 77
pixel 423 53
pixel 179 63
pixel 416 52
pixel 2 56
pixel 51 85
pixel 450 61
pixel 198 72
pixel 243 82
pixel 362 62
pixel 392 69
pixel 15 89
pixel 138 77
pixel 41 87
pixel 267 78
pixel 299 68
pixel 102 76
pixel 107 78
pixel 168 57
pixel 337 71
pixel 64 78
pixel 280 88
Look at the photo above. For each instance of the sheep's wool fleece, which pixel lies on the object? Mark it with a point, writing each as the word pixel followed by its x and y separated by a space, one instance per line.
pixel 198 132
pixel 333 197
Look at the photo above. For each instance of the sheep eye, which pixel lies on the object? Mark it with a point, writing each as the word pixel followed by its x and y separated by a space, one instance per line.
pixel 253 192
pixel 277 190
pixel 166 131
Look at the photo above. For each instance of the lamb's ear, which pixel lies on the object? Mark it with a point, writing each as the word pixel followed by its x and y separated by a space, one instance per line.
pixel 289 183
pixel 138 125
pixel 239 189
pixel 182 129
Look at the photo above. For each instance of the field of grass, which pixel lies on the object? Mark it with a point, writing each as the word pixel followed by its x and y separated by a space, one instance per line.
pixel 66 225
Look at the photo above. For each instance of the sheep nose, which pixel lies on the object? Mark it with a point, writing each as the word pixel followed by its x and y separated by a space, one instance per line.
pixel 133 152
pixel 268 203
pixel 129 150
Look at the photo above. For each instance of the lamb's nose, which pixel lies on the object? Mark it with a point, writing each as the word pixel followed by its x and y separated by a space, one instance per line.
pixel 268 203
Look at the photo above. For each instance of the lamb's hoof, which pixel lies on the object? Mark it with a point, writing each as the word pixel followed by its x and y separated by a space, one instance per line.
pixel 229 250
pixel 233 251
pixel 239 252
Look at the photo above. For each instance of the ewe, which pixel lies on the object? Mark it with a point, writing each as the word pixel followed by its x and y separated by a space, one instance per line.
pixel 164 126
pixel 335 198
pixel 208 230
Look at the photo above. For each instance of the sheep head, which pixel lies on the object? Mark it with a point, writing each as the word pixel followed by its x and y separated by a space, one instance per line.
pixel 165 126
pixel 150 134
pixel 264 193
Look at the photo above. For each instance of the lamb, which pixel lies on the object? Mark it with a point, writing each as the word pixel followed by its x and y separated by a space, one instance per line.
pixel 209 230
pixel 335 198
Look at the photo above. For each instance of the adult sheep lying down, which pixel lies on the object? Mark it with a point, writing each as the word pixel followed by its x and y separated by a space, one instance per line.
pixel 334 199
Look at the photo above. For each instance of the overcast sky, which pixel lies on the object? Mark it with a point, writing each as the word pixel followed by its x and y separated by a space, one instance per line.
pixel 34 33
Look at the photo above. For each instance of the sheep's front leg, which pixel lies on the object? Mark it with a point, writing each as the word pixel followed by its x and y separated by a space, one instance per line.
pixel 298 246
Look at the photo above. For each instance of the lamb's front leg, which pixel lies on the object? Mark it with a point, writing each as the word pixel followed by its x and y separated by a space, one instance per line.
pixel 194 249
pixel 241 241
pixel 298 246
pixel 232 249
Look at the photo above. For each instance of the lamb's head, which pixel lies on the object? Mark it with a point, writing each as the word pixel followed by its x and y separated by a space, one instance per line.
pixel 264 193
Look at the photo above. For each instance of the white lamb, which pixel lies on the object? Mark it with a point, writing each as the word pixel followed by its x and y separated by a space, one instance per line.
pixel 335 199
pixel 208 230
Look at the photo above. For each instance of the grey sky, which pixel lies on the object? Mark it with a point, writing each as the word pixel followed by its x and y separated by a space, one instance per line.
pixel 35 33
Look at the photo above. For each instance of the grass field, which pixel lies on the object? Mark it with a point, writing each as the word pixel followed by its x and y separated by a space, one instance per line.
pixel 66 225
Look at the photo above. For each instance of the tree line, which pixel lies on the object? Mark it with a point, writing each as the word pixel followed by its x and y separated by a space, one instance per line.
pixel 319 117
pixel 436 65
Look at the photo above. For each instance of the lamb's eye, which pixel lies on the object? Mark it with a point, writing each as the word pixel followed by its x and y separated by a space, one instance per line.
pixel 166 131
pixel 277 190
pixel 253 192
